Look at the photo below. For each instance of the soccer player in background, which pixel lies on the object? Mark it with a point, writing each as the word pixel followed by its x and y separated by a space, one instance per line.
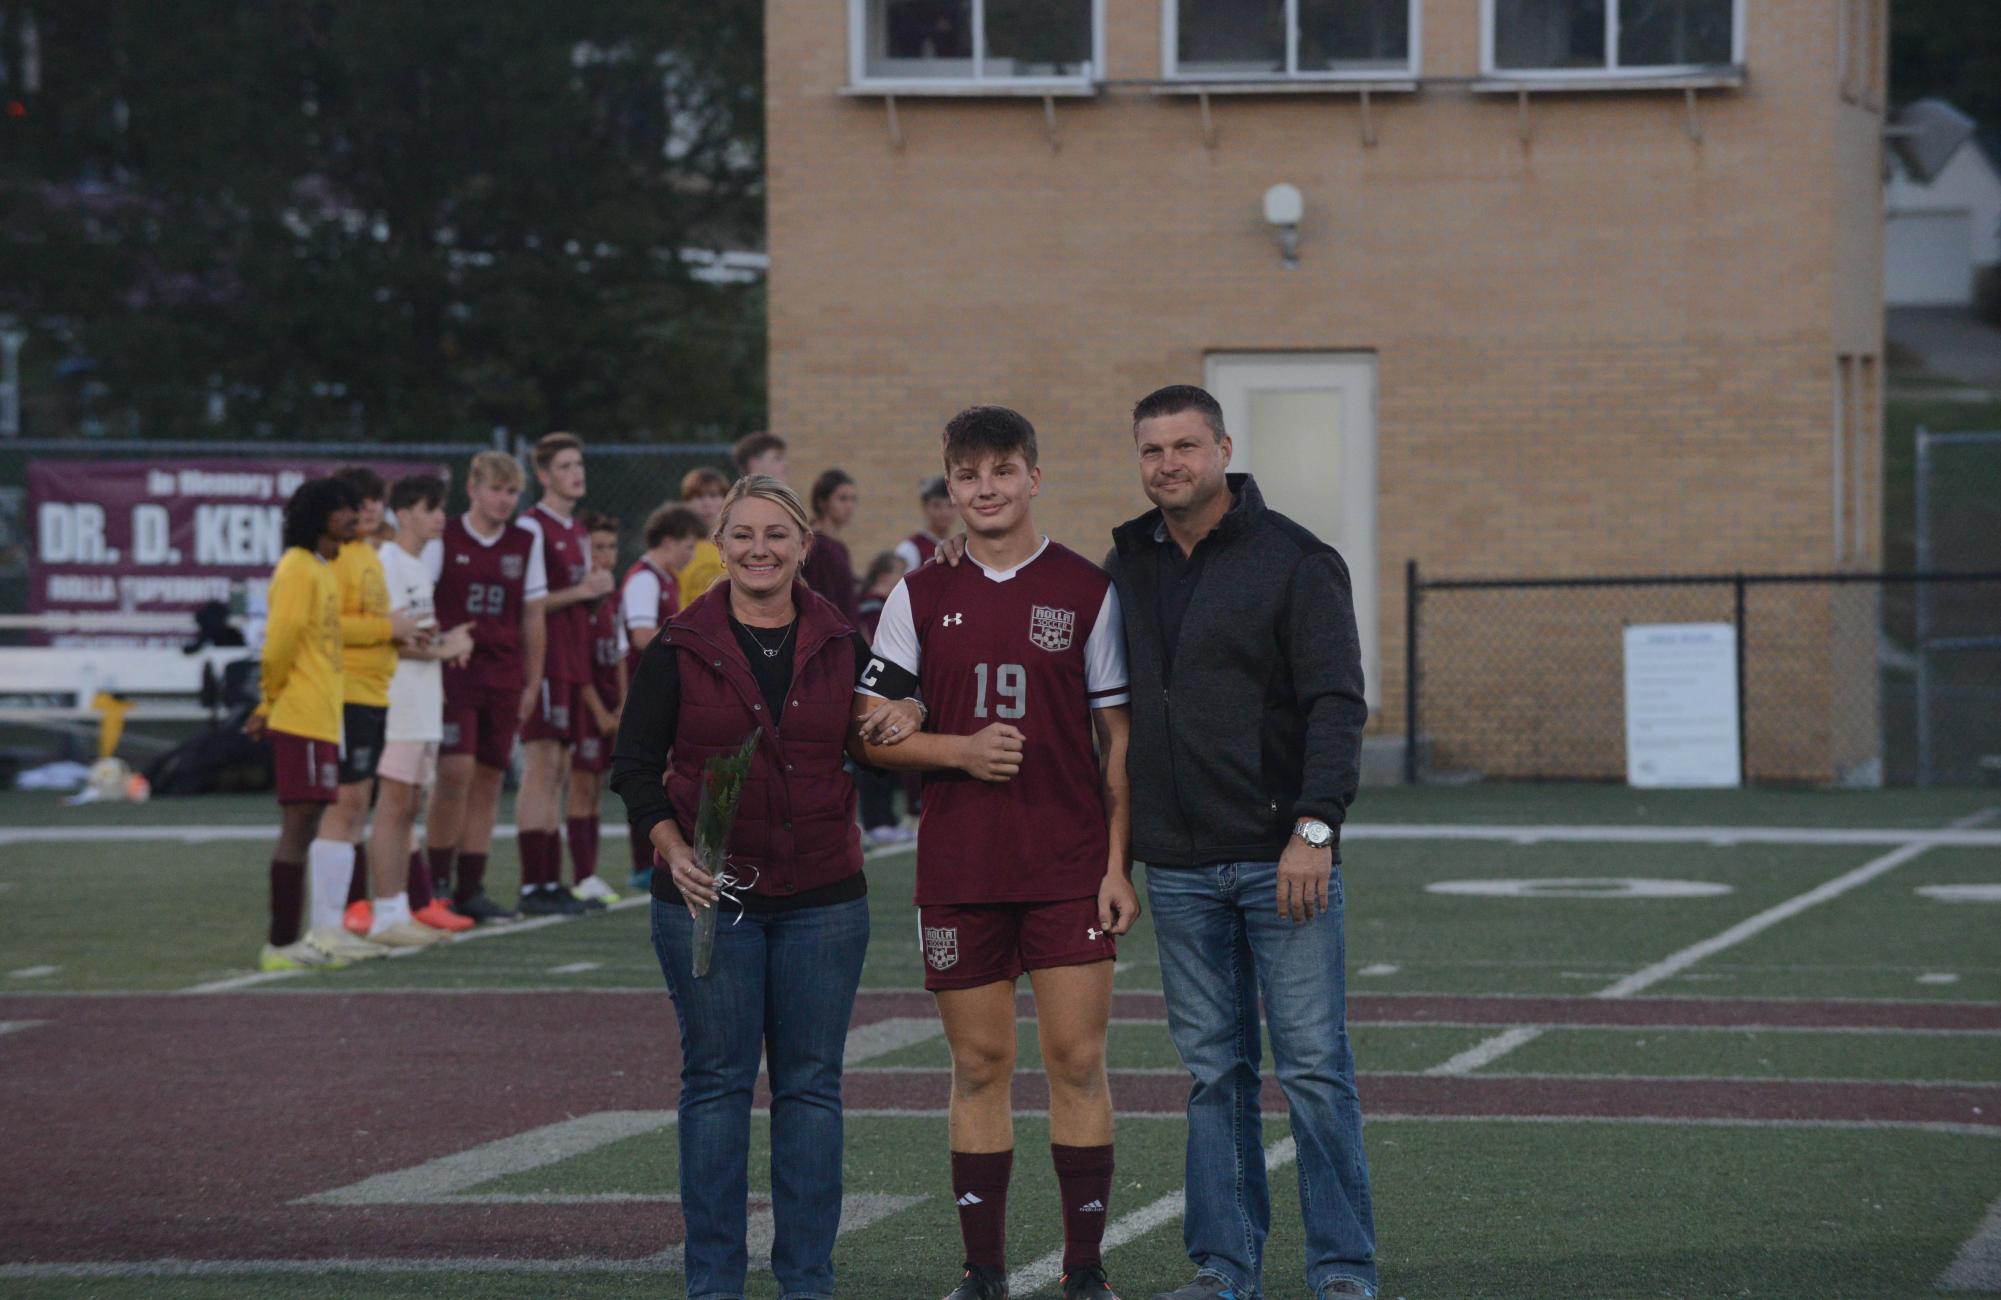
pixel 597 727
pixel 370 634
pixel 405 913
pixel 935 500
pixel 550 728
pixel 648 597
pixel 829 569
pixel 489 573
pixel 702 491
pixel 300 716
pixel 1021 660
pixel 759 453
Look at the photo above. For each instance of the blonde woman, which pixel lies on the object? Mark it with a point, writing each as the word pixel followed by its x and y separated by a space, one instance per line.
pixel 758 650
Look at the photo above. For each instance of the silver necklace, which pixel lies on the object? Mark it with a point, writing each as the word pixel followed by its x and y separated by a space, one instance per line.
pixel 770 652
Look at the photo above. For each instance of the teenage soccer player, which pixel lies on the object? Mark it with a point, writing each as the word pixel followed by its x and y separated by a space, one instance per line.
pixel 1021 660
pixel 648 597
pixel 702 491
pixel 300 714
pixel 759 453
pixel 550 729
pixel 489 573
pixel 597 726
pixel 405 912
pixel 370 634
pixel 917 549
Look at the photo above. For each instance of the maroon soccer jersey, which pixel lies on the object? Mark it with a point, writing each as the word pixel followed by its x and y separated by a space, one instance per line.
pixel 486 583
pixel 646 598
pixel 566 550
pixel 607 648
pixel 1038 648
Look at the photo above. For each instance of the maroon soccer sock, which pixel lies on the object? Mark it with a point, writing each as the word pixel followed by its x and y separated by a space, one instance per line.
pixel 534 858
pixel 583 847
pixel 420 882
pixel 1084 1177
pixel 472 876
pixel 288 900
pixel 441 870
pixel 357 884
pixel 979 1185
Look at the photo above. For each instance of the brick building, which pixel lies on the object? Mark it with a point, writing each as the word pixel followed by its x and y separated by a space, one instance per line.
pixel 1580 286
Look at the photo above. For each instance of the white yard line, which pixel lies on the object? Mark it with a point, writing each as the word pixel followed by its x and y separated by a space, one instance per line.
pixel 880 1038
pixel 1957 836
pixel 1492 1049
pixel 16 1026
pixel 1977 1266
pixel 1127 1227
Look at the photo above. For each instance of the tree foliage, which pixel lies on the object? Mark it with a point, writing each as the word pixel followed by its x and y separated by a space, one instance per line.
pixel 384 219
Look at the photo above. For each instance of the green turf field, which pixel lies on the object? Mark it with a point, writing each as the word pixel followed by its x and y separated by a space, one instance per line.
pixel 1843 1140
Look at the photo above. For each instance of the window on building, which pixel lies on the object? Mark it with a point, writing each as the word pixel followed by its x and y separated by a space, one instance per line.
pixel 1611 36
pixel 1291 38
pixel 972 41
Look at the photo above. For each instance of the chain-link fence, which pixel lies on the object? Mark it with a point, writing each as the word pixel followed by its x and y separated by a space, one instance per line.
pixel 1525 679
pixel 626 480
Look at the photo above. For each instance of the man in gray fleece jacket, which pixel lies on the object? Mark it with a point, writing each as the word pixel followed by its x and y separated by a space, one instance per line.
pixel 1247 716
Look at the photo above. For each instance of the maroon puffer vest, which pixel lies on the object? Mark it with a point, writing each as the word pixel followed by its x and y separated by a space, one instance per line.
pixel 796 824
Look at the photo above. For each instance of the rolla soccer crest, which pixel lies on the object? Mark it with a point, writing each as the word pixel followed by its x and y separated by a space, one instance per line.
pixel 510 567
pixel 941 946
pixel 1051 629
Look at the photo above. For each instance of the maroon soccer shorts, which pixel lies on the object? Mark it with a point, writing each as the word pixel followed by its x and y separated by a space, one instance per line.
pixel 555 715
pixel 481 724
pixel 967 945
pixel 308 770
pixel 593 752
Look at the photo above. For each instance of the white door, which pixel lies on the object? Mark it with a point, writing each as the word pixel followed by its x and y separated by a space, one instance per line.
pixel 1304 423
pixel 1928 259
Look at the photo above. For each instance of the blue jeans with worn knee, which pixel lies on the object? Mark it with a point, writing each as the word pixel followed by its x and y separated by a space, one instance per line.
pixel 1222 944
pixel 783 984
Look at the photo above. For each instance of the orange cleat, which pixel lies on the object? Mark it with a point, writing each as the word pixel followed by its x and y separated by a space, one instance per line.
pixel 359 918
pixel 439 916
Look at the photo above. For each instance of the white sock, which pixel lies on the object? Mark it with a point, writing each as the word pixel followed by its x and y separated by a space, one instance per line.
pixel 390 911
pixel 330 866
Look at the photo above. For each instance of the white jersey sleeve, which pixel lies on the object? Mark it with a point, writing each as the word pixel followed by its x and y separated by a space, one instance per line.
pixel 434 558
pixel 895 651
pixel 1105 677
pixel 640 600
pixel 537 585
pixel 906 550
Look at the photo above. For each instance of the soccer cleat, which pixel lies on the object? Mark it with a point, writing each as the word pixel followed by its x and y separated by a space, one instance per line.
pixel 345 946
pixel 483 910
pixel 593 889
pixel 642 881
pixel 438 915
pixel 1087 1284
pixel 1206 1286
pixel 359 918
pixel 302 955
pixel 980 1284
pixel 554 900
pixel 877 836
pixel 407 934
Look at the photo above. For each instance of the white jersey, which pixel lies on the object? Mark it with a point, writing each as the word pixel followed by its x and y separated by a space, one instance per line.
pixel 417 691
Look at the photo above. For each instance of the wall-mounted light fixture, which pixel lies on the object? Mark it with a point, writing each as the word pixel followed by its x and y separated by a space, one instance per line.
pixel 1283 209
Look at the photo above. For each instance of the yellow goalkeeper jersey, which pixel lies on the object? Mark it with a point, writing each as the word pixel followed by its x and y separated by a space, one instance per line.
pixel 701 573
pixel 368 655
pixel 302 676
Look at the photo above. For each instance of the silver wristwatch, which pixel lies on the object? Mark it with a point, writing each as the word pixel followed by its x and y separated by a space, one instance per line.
pixel 1314 831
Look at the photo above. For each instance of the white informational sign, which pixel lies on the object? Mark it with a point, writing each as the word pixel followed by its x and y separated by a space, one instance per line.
pixel 1681 705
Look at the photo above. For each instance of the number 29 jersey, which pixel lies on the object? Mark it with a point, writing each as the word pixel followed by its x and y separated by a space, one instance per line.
pixel 1037 647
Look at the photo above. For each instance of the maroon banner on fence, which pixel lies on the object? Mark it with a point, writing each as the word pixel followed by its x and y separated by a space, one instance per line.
pixel 161 537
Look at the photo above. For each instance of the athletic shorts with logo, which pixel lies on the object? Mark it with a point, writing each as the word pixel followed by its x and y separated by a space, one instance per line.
pixel 556 712
pixel 967 945
pixel 413 762
pixel 362 727
pixel 482 723
pixel 308 770
pixel 593 752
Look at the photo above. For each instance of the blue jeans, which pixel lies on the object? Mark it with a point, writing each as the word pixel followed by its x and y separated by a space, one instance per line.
pixel 1222 943
pixel 784 983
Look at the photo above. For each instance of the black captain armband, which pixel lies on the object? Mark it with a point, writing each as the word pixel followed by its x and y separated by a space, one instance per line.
pixel 888 680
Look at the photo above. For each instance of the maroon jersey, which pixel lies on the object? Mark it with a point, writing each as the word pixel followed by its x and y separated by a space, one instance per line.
pixel 607 648
pixel 1038 648
pixel 566 549
pixel 486 584
pixel 647 597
